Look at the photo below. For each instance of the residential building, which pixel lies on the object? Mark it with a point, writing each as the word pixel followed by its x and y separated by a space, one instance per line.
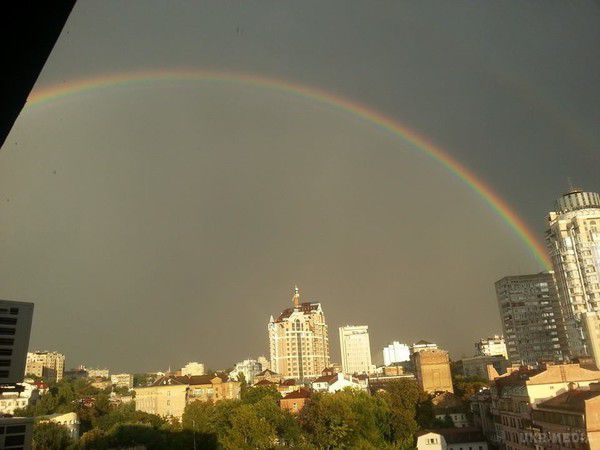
pixel 527 305
pixel 574 414
pixel 573 242
pixel 355 349
pixel 17 432
pixel 432 370
pixel 590 323
pixel 483 415
pixel 192 369
pixel 98 373
pixel 451 439
pixel 47 365
pixel 23 395
pixel 268 375
pixel 449 405
pixel 331 381
pixel 422 345
pixel 169 395
pixel 491 346
pixel 69 420
pixel 15 327
pixel 298 339
pixel 517 393
pixel 486 367
pixel 295 401
pixel 122 380
pixel 248 368
pixel 396 353
pixel 284 387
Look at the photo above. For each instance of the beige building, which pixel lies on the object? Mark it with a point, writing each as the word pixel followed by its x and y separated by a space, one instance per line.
pixel 97 373
pixel 192 369
pixel 573 242
pixel 169 395
pixel 70 421
pixel 122 380
pixel 517 393
pixel 590 323
pixel 355 349
pixel 298 340
pixel 47 365
pixel 432 370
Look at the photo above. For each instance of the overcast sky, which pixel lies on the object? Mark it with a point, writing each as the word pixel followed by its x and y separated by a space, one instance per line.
pixel 162 223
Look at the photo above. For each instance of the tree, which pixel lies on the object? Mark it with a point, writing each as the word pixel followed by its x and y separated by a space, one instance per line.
pixel 254 394
pixel 50 436
pixel 249 430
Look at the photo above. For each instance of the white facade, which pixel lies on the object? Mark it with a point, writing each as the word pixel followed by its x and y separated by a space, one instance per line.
pixel 15 318
pixel 10 401
pixel 422 345
pixel 491 346
pixel 573 241
pixel 395 353
pixel 249 368
pixel 68 420
pixel 338 382
pixel 97 373
pixel 264 362
pixel 355 349
pixel 192 369
pixel 430 440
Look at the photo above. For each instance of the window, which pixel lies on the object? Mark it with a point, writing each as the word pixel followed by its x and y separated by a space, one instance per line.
pixel 7 331
pixel 5 351
pixel 17 439
pixel 4 362
pixel 15 429
pixel 14 311
pixel 3 373
pixel 6 341
pixel 8 320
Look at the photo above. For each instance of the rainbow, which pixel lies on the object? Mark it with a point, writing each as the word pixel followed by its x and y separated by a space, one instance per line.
pixel 49 94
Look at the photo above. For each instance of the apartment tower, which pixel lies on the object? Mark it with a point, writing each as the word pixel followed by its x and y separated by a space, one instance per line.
pixel 298 340
pixel 355 349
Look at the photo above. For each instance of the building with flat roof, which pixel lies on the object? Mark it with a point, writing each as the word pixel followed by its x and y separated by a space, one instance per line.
pixel 355 349
pixel 491 346
pixel 396 353
pixel 47 365
pixel 432 370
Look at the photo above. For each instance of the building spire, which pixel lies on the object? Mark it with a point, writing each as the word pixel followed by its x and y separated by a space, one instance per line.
pixel 296 298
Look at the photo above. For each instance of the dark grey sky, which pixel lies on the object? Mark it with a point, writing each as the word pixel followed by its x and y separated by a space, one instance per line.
pixel 163 223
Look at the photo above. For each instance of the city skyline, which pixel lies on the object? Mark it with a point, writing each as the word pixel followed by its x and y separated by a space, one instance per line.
pixel 168 216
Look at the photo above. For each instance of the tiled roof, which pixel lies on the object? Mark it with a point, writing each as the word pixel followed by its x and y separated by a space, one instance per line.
pixel 306 308
pixel 423 342
pixel 573 401
pixel 266 372
pixel 288 382
pixel 326 379
pixel 171 380
pixel 264 383
pixel 300 393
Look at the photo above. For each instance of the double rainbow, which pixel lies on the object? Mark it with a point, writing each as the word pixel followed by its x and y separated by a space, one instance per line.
pixel 499 205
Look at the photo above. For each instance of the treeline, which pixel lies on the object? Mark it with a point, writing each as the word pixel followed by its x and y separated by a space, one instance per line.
pixel 348 419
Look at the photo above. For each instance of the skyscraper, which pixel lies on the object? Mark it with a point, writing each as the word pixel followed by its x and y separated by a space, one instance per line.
pixel 527 311
pixel 298 340
pixel 573 241
pixel 355 349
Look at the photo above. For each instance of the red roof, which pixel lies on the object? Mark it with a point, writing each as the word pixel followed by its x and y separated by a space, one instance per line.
pixel 306 308
pixel 300 393
pixel 573 401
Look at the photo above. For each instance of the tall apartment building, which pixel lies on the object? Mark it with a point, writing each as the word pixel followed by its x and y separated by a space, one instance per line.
pixel 432 370
pixel 47 365
pixel 355 349
pixel 527 305
pixel 298 340
pixel 573 242
pixel 491 346
pixel 15 327
pixel 396 353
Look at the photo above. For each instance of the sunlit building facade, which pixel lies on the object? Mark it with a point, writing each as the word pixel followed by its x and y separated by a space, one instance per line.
pixel 573 242
pixel 355 349
pixel 298 340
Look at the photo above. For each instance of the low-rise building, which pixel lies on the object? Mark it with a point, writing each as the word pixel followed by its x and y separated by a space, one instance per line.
pixel 97 373
pixel 396 353
pixel 168 396
pixel 247 368
pixel 68 420
pixel 451 439
pixel 491 346
pixel 23 395
pixel 284 387
pixel 295 401
pixel 479 366
pixel 122 380
pixel 449 405
pixel 422 345
pixel 268 375
pixel 332 382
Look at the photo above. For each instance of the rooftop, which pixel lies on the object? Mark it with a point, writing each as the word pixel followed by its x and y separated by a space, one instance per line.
pixel 572 401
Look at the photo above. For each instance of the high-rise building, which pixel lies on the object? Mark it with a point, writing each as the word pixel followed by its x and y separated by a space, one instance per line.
pixel 47 365
pixel 15 327
pixel 298 340
pixel 396 353
pixel 355 349
pixel 491 346
pixel 573 241
pixel 432 370
pixel 527 310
